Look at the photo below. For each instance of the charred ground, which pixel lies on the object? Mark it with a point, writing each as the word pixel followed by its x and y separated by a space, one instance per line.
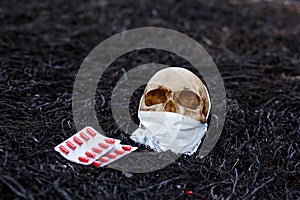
pixel 255 45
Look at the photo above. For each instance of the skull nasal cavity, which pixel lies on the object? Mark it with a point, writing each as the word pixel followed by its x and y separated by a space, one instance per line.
pixel 156 96
pixel 170 107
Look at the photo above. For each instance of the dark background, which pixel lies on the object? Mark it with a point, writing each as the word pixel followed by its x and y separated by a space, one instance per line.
pixel 255 45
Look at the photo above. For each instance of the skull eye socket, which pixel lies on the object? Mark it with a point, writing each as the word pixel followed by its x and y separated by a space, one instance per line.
pixel 188 99
pixel 156 96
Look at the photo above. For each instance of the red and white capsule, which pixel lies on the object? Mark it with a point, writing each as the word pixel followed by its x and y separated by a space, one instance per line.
pixel 112 155
pixel 77 141
pixel 63 149
pixel 103 145
pixel 109 140
pixel 126 148
pixel 83 159
pixel 119 151
pixel 97 163
pixel 84 136
pixel 70 145
pixel 91 132
pixel 96 150
pixel 104 159
pixel 90 154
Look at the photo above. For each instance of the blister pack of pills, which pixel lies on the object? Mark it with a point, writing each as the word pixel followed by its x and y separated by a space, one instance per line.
pixel 86 146
pixel 116 153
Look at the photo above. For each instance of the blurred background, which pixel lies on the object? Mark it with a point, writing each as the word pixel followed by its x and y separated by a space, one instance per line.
pixel 255 45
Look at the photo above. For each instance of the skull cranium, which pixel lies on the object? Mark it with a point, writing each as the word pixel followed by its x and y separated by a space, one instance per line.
pixel 177 90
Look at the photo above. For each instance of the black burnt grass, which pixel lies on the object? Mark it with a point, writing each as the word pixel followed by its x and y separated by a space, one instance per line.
pixel 255 46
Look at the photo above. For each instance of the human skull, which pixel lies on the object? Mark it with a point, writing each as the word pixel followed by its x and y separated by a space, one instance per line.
pixel 177 90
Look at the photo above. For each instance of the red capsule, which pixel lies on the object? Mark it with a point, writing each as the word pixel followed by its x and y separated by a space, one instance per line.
pixel 89 154
pixel 112 155
pixel 109 140
pixel 119 151
pixel 96 150
pixel 83 159
pixel 63 149
pixel 70 145
pixel 104 159
pixel 91 132
pixel 84 136
pixel 77 141
pixel 96 163
pixel 189 192
pixel 126 148
pixel 103 145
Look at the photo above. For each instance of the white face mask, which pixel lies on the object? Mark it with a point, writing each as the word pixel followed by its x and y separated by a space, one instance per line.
pixel 164 131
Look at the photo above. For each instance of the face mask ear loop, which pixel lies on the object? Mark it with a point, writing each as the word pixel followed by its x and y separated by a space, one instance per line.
pixel 139 112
